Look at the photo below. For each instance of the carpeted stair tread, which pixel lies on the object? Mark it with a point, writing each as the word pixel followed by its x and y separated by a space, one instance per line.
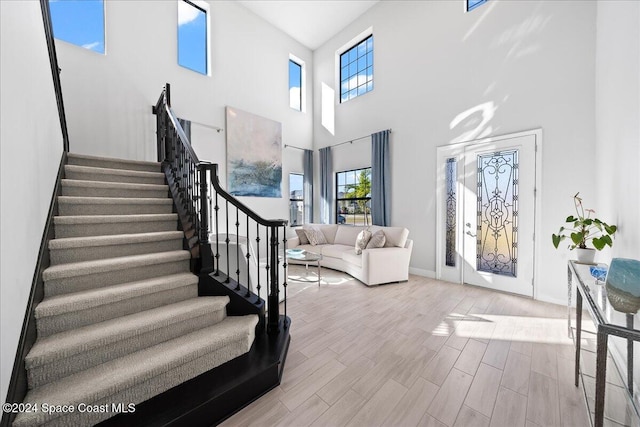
pixel 93 247
pixel 114 163
pixel 66 303
pixel 82 200
pixel 91 173
pixel 84 268
pixel 77 205
pixel 108 380
pixel 79 340
pixel 78 187
pixel 104 225
pixel 99 219
pixel 114 239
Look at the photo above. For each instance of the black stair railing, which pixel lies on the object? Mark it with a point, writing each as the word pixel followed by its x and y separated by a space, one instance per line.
pixel 207 212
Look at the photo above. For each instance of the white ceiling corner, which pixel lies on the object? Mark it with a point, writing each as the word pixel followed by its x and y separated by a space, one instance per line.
pixel 311 22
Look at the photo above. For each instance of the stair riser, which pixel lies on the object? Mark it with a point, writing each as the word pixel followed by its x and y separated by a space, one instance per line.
pixel 67 285
pixel 54 324
pixel 61 256
pixel 109 229
pixel 60 368
pixel 113 192
pixel 113 164
pixel 66 209
pixel 145 390
pixel 105 177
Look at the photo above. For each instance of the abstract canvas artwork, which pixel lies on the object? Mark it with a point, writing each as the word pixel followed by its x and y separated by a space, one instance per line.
pixel 254 155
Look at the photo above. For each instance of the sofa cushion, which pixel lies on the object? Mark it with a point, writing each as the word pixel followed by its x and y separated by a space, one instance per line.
pixel 347 234
pixel 395 236
pixel 377 240
pixel 361 241
pixel 352 258
pixel 315 236
pixel 329 231
pixel 302 236
pixel 335 251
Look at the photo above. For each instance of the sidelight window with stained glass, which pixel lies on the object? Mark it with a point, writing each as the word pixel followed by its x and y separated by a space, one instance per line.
pixel 451 211
pixel 497 210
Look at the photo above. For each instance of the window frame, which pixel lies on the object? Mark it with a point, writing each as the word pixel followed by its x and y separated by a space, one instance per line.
pixel 204 8
pixel 478 3
pixel 293 62
pixel 299 202
pixel 344 96
pixel 103 41
pixel 351 199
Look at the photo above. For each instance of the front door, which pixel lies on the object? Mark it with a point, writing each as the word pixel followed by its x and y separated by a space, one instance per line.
pixel 495 204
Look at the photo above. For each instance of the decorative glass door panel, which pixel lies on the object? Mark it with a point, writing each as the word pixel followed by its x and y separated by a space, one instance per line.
pixel 497 209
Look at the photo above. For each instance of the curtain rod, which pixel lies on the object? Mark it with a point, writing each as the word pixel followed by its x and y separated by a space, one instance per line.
pixel 293 146
pixel 354 139
pixel 216 128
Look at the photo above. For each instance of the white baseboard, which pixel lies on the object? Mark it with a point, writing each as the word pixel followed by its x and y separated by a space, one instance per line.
pixel 424 273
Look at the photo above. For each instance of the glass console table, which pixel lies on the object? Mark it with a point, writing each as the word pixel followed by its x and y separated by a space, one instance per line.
pixel 607 321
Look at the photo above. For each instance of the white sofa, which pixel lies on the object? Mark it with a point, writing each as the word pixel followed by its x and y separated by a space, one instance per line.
pixel 374 266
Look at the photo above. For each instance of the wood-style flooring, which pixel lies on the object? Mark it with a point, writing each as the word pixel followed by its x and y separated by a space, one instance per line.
pixel 420 353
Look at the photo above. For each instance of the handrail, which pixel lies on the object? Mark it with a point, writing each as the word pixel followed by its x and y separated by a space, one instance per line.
pixel 195 188
pixel 165 100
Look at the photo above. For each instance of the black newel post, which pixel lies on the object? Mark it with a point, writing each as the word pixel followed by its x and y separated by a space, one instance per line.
pixel 274 311
pixel 206 257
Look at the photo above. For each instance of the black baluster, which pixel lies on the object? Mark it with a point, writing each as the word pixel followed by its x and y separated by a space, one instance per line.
pixel 248 294
pixel 258 260
pixel 285 265
pixel 227 241
pixel 217 208
pixel 237 250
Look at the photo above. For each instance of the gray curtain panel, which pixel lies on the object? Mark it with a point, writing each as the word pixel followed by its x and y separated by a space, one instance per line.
pixel 308 186
pixel 326 187
pixel 380 179
pixel 186 127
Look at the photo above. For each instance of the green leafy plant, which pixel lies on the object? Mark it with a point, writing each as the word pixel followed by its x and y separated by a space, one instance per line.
pixel 584 229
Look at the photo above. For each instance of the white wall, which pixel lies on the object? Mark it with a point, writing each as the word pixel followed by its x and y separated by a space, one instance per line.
pixel 521 65
pixel 108 97
pixel 30 152
pixel 618 136
pixel 618 122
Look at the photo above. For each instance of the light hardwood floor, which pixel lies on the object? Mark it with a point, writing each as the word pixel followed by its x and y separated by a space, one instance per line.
pixel 420 353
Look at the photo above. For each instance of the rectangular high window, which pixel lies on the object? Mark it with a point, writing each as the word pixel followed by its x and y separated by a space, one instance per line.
pixel 79 22
pixel 356 70
pixel 353 197
pixel 295 85
pixel 472 4
pixel 296 199
pixel 192 36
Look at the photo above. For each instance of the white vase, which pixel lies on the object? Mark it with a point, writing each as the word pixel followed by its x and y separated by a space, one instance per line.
pixel 585 256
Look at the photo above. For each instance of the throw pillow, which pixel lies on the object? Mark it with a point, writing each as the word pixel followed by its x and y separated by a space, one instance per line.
pixel 377 240
pixel 315 236
pixel 361 241
pixel 302 236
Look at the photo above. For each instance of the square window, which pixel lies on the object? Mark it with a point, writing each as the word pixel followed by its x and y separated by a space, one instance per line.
pixel 79 22
pixel 356 68
pixel 192 37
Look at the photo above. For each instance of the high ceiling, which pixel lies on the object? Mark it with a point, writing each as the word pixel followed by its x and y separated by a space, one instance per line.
pixel 311 22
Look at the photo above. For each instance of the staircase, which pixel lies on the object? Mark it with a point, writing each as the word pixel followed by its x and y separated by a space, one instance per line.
pixel 121 320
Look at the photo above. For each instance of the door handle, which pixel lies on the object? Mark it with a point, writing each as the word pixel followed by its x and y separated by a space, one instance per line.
pixel 470 234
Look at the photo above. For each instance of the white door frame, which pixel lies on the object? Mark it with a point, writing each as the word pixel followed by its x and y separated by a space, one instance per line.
pixel 457 150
